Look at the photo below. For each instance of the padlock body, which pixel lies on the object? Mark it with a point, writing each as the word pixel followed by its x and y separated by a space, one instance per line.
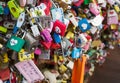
pixel 15 43
pixel 15 9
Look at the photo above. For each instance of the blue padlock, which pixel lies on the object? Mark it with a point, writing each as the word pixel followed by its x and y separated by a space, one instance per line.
pixel 84 25
pixel 76 52
pixel 6 11
pixel 56 38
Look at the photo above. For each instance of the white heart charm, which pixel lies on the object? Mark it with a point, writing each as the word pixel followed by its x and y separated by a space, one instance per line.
pixel 84 26
pixel 13 42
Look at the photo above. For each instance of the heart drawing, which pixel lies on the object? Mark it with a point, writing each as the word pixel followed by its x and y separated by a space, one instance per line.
pixel 84 26
pixel 13 42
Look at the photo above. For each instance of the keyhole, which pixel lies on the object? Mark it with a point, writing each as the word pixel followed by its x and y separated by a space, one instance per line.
pixel 13 9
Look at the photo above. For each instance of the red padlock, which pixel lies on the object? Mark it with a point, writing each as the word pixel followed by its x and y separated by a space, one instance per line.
pixel 77 3
pixel 47 45
pixel 59 27
pixel 46 3
pixel 55 45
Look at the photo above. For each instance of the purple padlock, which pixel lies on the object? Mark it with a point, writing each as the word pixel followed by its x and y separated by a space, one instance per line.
pixel 37 51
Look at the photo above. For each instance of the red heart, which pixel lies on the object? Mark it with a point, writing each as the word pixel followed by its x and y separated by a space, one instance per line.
pixel 111 12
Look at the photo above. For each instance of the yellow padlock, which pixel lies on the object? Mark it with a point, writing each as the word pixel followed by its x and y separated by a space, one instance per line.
pixel 62 68
pixel 5 56
pixel 113 26
pixel 3 29
pixel 55 58
pixel 117 9
pixel 15 9
pixel 69 35
pixel 61 58
pixel 23 55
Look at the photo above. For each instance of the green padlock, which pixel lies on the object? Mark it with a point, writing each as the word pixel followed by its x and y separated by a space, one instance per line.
pixel 15 43
pixel 3 29
pixel 1 9
pixel 86 2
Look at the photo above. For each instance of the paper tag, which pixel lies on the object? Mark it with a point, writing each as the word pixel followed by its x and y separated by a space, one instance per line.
pixel 35 30
pixel 30 71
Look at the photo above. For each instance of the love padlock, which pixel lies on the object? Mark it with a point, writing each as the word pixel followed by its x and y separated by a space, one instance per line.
pixel 112 17
pixel 84 25
pixel 15 9
pixel 16 43
pixel 59 27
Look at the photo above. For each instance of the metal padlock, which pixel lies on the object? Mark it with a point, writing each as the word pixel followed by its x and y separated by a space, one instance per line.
pixel 65 43
pixel 35 30
pixel 15 9
pixel 16 43
pixel 45 54
pixel 30 42
pixel 46 21
pixel 8 25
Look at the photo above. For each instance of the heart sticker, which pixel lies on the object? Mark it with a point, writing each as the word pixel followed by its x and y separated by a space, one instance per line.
pixel 84 26
pixel 13 42
pixel 57 29
pixel 111 12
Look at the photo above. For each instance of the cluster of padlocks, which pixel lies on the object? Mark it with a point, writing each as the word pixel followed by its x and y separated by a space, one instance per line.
pixel 55 41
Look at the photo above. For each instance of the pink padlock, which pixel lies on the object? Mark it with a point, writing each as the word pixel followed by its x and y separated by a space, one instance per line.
pixel 22 3
pixel 37 51
pixel 94 9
